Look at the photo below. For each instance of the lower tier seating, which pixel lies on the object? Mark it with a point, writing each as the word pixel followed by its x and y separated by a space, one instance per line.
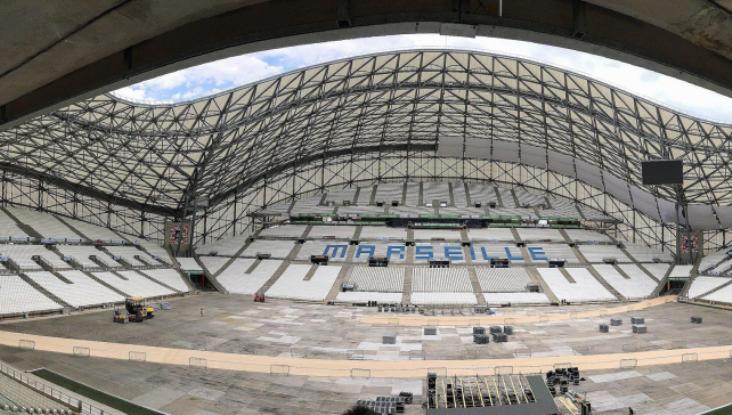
pixel 702 285
pixel 637 285
pixel 241 278
pixel 585 287
pixel 723 295
pixel 502 279
pixel 446 280
pixel 17 296
pixel 366 296
pixel 377 279
pixel 169 277
pixel 133 284
pixel 458 298
pixel 16 394
pixel 82 292
pixel 516 298
pixel 292 283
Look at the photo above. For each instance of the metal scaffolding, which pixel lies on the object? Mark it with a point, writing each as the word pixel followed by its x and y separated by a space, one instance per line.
pixel 429 114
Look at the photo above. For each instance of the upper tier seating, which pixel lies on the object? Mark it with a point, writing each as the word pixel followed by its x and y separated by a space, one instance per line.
pixel 188 264
pixel 361 210
pixel 710 261
pixel 277 249
pixel 642 253
pixel 458 194
pixel 430 234
pixel 516 298
pixel 377 279
pixel 524 214
pixel 539 234
pixel 133 256
pixel 9 230
pixel 561 208
pixel 366 296
pixel 310 206
pixel 23 255
pixel 83 292
pixel 585 287
pixel 439 191
pixel 526 198
pixel 45 224
pixel 702 285
pixel 337 197
pixel 241 278
pixel 332 232
pixel 445 280
pixel 224 246
pixel 594 214
pixel 410 211
pixel 723 295
pixel 16 394
pixel 382 233
pixel 491 234
pixel 461 211
pixel 95 232
pixel 17 296
pixel 638 285
pixel 483 194
pixel 596 253
pixel 292 284
pixel 584 235
pixel 411 197
pixel 169 277
pixel 283 231
pixel 364 195
pixel 502 279
pixel 506 197
pixel 657 270
pixel 133 284
pixel 389 192
pixel 279 209
pixel 462 298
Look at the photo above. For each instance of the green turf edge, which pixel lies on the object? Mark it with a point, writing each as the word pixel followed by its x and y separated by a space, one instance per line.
pixel 722 410
pixel 94 394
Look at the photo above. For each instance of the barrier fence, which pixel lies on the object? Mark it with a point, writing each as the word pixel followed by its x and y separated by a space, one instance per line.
pixel 49 390
pixel 357 364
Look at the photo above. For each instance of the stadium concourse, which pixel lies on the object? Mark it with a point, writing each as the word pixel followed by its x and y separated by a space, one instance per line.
pixel 343 232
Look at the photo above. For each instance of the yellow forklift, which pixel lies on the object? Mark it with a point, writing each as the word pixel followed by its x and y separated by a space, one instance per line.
pixel 137 311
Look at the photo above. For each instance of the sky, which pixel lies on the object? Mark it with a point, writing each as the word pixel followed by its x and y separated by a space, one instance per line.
pixel 210 78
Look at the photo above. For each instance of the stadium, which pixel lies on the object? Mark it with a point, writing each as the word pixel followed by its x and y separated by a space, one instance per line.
pixel 431 230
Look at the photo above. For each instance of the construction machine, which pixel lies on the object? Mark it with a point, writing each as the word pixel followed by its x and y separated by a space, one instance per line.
pixel 137 310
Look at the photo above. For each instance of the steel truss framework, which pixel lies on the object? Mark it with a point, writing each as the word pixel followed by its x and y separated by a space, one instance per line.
pixel 133 165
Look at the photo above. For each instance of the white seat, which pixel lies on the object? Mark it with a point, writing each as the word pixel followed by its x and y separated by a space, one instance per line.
pixel 17 296
pixel 291 284
pixel 235 278
pixel 377 279
pixel 133 284
pixel 585 287
pixel 169 277
pixel 638 286
pixel 82 292
pixel 449 280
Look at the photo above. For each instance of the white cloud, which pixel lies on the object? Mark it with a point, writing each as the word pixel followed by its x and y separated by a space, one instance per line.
pixel 228 73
